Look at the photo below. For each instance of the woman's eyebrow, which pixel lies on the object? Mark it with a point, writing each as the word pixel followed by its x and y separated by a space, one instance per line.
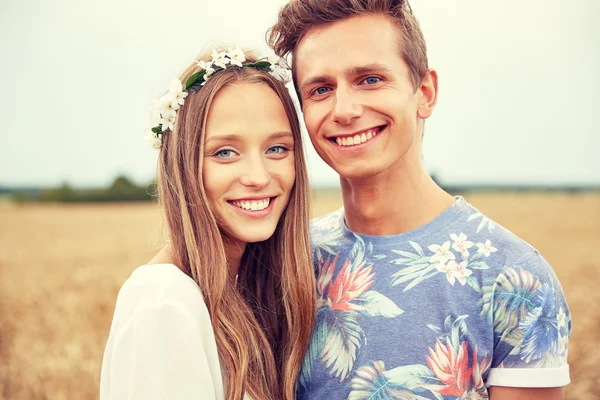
pixel 283 134
pixel 233 137
pixel 226 137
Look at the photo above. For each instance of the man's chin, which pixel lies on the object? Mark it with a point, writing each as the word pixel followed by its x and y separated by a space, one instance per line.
pixel 357 172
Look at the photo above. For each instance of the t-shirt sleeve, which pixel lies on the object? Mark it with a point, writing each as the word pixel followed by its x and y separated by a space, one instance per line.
pixel 532 326
pixel 159 354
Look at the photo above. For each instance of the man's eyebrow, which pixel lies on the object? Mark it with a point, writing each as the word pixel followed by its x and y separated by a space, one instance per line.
pixel 363 69
pixel 313 80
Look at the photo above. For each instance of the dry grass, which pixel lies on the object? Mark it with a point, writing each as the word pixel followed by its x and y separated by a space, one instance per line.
pixel 61 268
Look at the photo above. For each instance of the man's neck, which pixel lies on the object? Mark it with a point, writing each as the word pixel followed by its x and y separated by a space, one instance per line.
pixel 395 201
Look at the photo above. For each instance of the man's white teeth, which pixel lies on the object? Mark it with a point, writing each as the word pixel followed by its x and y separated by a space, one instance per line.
pixel 356 139
pixel 254 205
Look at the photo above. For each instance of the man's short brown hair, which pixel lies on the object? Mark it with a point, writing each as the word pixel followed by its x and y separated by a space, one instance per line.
pixel 299 16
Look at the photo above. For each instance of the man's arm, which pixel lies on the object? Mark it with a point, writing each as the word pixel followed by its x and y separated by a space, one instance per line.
pixel 530 349
pixel 517 393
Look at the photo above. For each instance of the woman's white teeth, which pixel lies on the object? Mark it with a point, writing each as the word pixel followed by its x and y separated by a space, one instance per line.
pixel 356 139
pixel 254 205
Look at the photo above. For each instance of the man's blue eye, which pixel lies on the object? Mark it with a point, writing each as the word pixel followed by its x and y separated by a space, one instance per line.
pixel 321 90
pixel 371 80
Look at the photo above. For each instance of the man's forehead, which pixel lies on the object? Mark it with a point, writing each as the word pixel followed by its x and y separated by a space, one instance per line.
pixel 327 48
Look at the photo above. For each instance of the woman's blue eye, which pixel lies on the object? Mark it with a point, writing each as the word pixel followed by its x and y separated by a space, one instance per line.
pixel 224 153
pixel 277 150
pixel 371 80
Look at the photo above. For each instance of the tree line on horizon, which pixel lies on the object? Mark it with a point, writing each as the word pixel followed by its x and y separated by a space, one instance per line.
pixel 121 189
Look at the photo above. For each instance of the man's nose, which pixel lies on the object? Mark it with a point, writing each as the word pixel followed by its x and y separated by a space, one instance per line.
pixel 346 108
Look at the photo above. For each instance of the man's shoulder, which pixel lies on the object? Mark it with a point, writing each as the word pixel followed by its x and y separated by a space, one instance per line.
pixel 487 236
pixel 475 241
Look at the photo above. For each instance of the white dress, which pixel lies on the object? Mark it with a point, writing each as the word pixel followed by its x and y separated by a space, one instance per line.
pixel 161 343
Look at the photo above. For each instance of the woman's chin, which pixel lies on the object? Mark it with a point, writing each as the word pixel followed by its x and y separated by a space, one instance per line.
pixel 252 235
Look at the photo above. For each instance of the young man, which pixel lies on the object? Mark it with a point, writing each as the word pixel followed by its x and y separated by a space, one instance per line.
pixel 420 295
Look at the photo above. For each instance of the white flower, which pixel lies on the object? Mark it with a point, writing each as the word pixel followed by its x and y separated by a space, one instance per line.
pixel 281 73
pixel 442 253
pixel 449 275
pixel 170 104
pixel 455 271
pixel 167 122
pixel 154 140
pixel 175 86
pixel 208 73
pixel 274 60
pixel 486 248
pixel 461 244
pixel 279 68
pixel 236 56
pixel 178 99
pixel 207 67
pixel 166 105
pixel 162 112
pixel 286 75
pixel 220 59
pixel 155 111
pixel 461 271
pixel 176 94
pixel 203 64
pixel 275 70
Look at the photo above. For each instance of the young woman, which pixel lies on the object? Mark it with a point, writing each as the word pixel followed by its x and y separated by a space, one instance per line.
pixel 231 313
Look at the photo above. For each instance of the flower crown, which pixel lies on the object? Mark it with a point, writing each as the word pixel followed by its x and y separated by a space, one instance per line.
pixel 165 108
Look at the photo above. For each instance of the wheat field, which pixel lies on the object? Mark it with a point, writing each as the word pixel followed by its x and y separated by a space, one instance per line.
pixel 61 268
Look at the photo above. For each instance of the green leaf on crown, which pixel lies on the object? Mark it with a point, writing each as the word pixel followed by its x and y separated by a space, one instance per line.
pixel 264 65
pixel 194 82
pixel 157 129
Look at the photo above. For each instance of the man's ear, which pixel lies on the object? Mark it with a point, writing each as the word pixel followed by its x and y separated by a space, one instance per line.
pixel 427 93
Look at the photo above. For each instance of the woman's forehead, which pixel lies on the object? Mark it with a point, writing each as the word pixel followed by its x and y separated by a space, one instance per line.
pixel 246 109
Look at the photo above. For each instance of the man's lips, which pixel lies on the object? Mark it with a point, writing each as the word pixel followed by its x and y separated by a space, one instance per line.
pixel 355 138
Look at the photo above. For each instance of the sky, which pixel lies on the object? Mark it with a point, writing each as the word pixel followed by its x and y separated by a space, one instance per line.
pixel 518 102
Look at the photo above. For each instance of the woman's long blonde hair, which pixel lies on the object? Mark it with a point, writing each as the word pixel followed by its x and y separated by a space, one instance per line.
pixel 262 324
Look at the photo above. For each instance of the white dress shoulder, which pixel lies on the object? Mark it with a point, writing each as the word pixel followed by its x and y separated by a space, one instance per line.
pixel 161 343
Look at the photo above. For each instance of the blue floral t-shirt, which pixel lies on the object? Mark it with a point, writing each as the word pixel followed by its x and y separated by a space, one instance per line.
pixel 440 312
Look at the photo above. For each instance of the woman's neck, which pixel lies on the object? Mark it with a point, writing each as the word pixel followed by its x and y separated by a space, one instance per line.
pixel 234 250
